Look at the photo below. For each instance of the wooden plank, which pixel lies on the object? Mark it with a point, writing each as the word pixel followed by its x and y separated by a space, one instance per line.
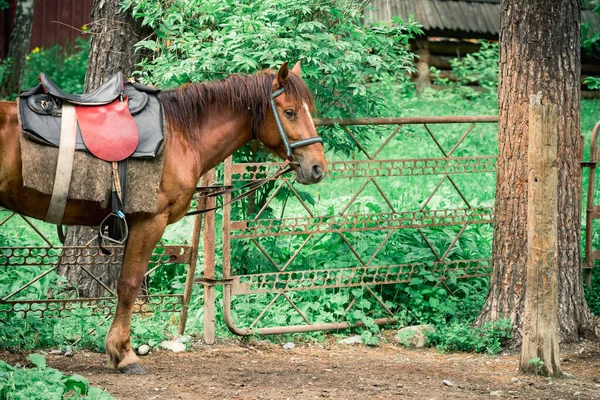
pixel 590 94
pixel 540 320
pixel 209 266
pixel 191 271
pixel 447 47
pixel 73 14
pixel 590 69
pixel 440 62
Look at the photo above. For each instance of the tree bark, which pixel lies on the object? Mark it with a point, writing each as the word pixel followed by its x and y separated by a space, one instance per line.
pixel 18 48
pixel 112 43
pixel 539 52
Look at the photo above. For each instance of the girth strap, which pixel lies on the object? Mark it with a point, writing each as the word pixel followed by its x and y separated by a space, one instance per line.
pixel 64 166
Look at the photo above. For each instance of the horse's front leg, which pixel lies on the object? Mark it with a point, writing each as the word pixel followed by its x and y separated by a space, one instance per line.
pixel 144 234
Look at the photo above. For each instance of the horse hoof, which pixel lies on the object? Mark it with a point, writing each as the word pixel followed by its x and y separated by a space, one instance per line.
pixel 133 369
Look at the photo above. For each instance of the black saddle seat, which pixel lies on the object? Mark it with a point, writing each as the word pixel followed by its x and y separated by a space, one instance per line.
pixel 103 95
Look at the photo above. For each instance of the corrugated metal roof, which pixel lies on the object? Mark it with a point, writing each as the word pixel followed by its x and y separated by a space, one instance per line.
pixel 468 17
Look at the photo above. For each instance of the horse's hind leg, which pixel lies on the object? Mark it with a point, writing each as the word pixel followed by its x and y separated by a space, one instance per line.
pixel 143 236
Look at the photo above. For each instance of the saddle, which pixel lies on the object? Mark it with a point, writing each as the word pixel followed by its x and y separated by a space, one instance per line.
pixel 114 122
pixel 40 109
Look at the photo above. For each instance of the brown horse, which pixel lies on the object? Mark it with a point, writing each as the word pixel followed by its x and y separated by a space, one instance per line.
pixel 204 124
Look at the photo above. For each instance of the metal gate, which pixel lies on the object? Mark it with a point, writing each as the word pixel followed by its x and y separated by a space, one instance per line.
pixel 363 271
pixel 260 279
pixel 35 257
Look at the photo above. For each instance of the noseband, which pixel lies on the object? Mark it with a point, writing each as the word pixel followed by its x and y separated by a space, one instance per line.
pixel 289 147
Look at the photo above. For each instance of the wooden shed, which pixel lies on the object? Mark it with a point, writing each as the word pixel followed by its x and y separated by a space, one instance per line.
pixel 54 22
pixel 453 27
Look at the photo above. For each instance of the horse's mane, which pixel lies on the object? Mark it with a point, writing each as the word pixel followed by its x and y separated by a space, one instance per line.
pixel 186 106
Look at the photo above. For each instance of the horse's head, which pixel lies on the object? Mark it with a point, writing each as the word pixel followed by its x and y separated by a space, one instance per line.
pixel 288 128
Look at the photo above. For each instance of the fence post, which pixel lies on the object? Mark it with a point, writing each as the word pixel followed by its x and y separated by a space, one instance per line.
pixel 191 272
pixel 209 266
pixel 540 322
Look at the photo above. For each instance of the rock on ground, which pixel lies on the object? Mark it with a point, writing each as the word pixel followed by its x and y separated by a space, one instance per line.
pixel 414 336
pixel 143 350
pixel 174 346
pixel 351 340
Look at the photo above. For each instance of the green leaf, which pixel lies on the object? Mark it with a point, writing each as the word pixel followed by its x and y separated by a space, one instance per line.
pixel 434 302
pixel 38 360
pixel 77 383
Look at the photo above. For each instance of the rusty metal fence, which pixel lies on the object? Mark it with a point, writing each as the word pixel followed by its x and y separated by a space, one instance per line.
pixel 280 279
pixel 35 257
pixel 380 193
pixel 357 187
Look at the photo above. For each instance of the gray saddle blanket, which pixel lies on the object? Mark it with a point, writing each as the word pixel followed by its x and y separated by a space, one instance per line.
pixel 91 178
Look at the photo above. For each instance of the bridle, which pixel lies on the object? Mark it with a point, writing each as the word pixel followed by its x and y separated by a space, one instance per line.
pixel 289 147
pixel 217 190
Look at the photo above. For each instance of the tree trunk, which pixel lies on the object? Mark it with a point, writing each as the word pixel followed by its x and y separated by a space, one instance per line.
pixel 18 48
pixel 539 52
pixel 111 50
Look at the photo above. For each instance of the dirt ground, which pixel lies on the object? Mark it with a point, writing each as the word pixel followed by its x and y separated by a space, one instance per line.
pixel 261 370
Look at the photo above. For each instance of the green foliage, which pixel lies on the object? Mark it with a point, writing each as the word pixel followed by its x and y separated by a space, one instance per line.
pixel 41 382
pixel 462 336
pixel 538 363
pixel 592 296
pixel 480 67
pixel 592 82
pixel 66 66
pixel 203 40
pixel 591 45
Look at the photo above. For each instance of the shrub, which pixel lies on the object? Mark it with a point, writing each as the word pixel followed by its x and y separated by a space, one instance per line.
pixel 461 336
pixel 209 39
pixel 66 65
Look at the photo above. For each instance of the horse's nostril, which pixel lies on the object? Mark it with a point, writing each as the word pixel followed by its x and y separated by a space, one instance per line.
pixel 317 171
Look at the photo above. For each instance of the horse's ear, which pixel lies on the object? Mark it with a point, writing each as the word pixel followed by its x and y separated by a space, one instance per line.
pixel 296 69
pixel 282 75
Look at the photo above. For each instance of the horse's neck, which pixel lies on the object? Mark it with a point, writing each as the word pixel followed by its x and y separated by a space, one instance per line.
pixel 220 136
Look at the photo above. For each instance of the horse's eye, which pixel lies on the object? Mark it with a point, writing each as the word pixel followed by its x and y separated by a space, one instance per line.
pixel 290 113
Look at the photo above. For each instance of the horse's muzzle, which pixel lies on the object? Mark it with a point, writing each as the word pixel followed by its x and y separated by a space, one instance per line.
pixel 309 174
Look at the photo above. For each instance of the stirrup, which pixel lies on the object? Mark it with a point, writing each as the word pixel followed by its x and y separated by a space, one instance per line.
pixel 105 225
pixel 119 225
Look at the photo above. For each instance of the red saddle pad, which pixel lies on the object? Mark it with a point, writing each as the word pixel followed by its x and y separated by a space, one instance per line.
pixel 109 131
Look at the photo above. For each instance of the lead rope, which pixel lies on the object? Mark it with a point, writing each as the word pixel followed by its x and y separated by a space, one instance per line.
pixel 215 191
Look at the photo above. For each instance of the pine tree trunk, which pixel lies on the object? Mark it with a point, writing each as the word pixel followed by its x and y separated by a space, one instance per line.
pixel 18 48
pixel 113 36
pixel 539 52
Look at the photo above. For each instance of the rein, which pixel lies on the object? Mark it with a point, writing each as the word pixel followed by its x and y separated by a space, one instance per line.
pixel 215 191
